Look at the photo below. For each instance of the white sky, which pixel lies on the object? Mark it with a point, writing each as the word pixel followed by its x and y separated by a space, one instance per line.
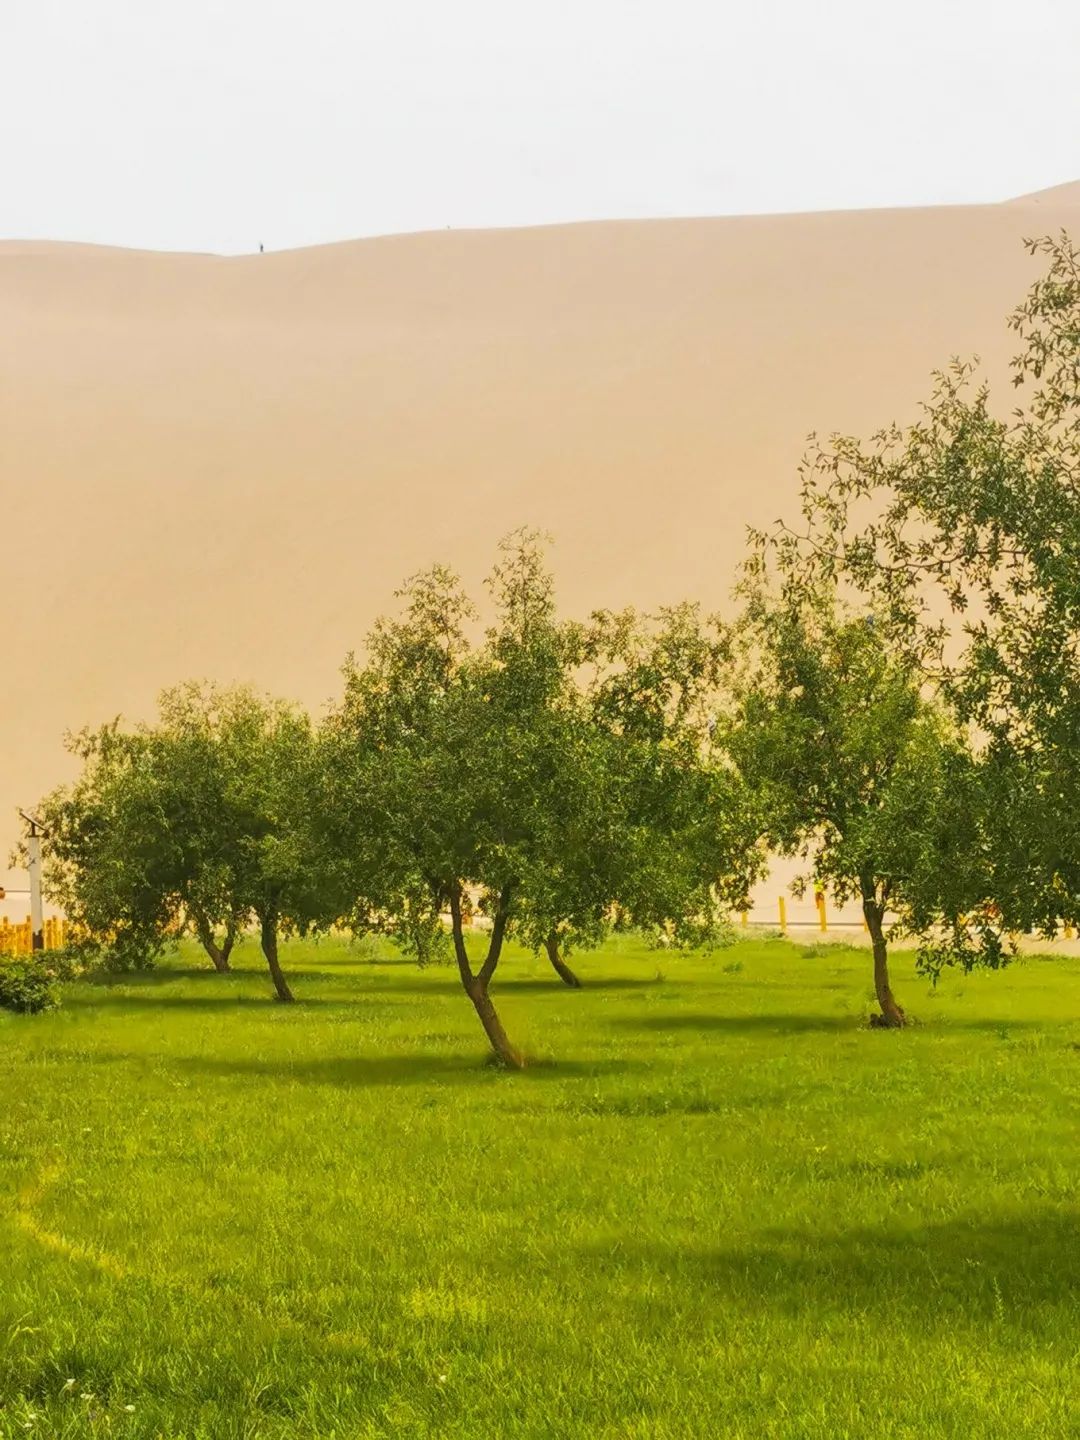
pixel 217 124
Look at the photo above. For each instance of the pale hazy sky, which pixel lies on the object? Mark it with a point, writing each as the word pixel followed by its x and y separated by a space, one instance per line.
pixel 217 124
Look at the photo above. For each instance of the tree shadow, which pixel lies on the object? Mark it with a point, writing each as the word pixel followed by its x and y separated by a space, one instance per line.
pixel 450 984
pixel 168 975
pixel 1016 1271
pixel 149 979
pixel 794 1024
pixel 159 1000
pixel 365 1071
pixel 738 1024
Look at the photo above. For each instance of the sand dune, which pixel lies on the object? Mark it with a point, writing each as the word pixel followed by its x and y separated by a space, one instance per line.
pixel 222 467
pixel 1067 194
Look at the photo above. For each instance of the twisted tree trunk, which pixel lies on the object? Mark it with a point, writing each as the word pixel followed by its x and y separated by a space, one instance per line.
pixel 230 939
pixel 558 964
pixel 268 927
pixel 892 1016
pixel 476 986
pixel 219 955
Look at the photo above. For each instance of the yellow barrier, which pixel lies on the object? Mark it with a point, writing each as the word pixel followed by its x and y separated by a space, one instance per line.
pixel 19 939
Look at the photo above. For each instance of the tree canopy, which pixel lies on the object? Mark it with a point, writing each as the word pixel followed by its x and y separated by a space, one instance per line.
pixel 202 818
pixel 964 529
pixel 496 770
pixel 856 771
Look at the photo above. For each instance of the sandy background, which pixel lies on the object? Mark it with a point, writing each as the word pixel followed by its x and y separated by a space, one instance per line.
pixel 223 467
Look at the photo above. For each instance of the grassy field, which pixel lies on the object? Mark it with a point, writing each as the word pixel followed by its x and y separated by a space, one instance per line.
pixel 716 1206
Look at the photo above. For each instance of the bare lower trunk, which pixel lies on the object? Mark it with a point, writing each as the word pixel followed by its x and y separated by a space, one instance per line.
pixel 219 955
pixel 558 964
pixel 269 948
pixel 505 1053
pixel 892 1016
pixel 476 986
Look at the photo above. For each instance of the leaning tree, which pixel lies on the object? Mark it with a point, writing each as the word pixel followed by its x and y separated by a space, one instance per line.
pixel 110 856
pixel 201 819
pixel 964 530
pixel 465 771
pixel 262 839
pixel 857 772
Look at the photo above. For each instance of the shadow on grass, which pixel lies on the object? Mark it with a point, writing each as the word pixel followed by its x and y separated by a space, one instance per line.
pixel 366 976
pixel 169 975
pixel 363 1071
pixel 1011 1271
pixel 450 984
pixel 738 1024
pixel 146 1000
pixel 794 1024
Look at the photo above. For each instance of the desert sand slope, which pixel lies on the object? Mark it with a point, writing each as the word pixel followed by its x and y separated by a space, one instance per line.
pixel 222 467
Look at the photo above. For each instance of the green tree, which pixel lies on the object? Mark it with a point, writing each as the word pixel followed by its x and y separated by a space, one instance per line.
pixel 202 818
pixel 110 854
pixel 964 529
pixel 685 851
pixel 857 773
pixel 480 772
pixel 259 849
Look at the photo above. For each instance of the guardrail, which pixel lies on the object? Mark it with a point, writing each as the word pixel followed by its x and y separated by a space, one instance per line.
pixel 18 939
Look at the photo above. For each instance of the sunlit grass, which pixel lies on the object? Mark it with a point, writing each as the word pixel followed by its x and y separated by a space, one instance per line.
pixel 716 1204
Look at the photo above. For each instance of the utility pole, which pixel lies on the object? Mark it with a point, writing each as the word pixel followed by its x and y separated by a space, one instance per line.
pixel 33 867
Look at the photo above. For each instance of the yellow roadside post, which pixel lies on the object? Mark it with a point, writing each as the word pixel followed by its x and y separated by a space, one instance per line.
pixel 783 916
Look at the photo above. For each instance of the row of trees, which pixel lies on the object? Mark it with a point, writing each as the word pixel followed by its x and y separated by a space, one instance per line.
pixel 559 775
pixel 962 532
pixel 564 776
pixel 567 775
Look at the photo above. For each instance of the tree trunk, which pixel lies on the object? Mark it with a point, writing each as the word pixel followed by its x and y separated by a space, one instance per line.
pixel 476 986
pixel 558 964
pixel 892 1016
pixel 219 957
pixel 230 940
pixel 269 948
pixel 505 1053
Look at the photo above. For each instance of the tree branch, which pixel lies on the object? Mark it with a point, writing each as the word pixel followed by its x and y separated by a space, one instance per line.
pixel 460 953
pixel 498 932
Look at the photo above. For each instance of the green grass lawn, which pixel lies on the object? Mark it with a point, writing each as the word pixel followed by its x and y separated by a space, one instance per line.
pixel 717 1204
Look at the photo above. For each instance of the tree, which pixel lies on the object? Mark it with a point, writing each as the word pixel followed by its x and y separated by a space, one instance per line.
pixel 481 770
pixel 964 529
pixel 686 848
pixel 663 841
pixel 259 846
pixel 857 772
pixel 200 819
pixel 109 861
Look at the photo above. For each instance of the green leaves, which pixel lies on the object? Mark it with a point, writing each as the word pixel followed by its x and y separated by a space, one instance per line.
pixel 963 531
pixel 204 816
pixel 565 764
pixel 855 769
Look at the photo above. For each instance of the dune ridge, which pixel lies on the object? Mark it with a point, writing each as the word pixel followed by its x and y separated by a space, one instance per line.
pixel 222 467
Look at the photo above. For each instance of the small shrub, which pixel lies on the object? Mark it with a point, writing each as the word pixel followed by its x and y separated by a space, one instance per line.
pixel 27 984
pixel 368 948
pixel 70 961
